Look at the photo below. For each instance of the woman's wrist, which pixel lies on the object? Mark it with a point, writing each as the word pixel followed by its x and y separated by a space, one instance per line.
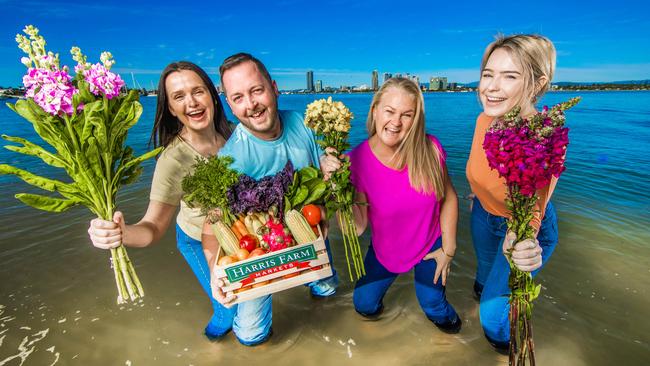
pixel 448 252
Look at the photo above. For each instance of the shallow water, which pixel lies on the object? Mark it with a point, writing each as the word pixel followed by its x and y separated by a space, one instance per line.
pixel 57 294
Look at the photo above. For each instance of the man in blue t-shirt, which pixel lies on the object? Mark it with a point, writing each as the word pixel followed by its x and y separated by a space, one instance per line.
pixel 261 144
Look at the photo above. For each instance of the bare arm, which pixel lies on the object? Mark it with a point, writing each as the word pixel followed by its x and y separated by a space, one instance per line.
pixel 360 212
pixel 448 224
pixel 210 244
pixel 449 217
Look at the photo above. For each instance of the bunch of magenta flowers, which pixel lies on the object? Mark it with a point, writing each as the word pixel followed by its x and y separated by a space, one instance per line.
pixel 85 120
pixel 527 153
pixel 330 121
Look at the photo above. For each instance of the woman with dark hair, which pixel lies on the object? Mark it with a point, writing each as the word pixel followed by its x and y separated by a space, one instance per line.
pixel 190 122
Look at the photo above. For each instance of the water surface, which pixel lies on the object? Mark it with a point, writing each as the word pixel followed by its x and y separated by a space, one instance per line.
pixel 57 294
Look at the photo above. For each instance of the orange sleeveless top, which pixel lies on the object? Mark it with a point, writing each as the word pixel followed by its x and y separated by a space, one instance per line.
pixel 486 184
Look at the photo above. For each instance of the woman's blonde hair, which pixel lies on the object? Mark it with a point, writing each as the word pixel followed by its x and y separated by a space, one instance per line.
pixel 416 151
pixel 536 56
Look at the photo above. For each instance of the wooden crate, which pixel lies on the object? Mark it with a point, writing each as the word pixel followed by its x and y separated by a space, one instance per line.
pixel 309 260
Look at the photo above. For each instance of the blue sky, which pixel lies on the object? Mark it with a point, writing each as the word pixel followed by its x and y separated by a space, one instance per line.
pixel 341 41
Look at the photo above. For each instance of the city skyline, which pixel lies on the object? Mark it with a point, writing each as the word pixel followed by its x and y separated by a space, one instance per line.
pixel 147 35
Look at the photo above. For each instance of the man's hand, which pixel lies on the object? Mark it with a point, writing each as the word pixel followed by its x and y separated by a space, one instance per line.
pixel 329 163
pixel 224 299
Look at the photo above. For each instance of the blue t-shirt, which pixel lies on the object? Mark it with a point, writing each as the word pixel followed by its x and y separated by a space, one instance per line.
pixel 258 158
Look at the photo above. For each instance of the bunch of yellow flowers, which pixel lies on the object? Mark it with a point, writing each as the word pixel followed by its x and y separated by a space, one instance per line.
pixel 324 116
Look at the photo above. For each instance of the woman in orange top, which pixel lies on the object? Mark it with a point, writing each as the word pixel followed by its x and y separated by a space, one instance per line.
pixel 515 71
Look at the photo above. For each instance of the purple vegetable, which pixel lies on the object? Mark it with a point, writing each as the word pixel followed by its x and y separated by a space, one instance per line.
pixel 249 195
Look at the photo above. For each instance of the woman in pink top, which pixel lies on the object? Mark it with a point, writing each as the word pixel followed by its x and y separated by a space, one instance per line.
pixel 411 205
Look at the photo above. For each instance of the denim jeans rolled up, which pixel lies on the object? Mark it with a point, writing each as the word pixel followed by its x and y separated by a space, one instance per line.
pixel 250 320
pixel 192 251
pixel 493 270
pixel 369 291
pixel 325 287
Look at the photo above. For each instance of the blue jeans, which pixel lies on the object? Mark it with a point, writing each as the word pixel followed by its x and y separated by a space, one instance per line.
pixel 371 288
pixel 250 320
pixel 327 286
pixel 488 232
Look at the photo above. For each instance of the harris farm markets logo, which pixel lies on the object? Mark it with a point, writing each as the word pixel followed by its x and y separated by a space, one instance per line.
pixel 298 257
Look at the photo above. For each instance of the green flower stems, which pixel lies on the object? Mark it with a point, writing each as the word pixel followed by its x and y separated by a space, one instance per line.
pixel 523 287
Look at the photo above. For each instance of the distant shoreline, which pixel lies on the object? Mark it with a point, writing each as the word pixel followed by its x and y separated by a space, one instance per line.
pixel 288 92
pixel 464 91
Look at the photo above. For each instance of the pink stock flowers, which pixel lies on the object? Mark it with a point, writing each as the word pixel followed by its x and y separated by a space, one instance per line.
pixel 51 89
pixel 101 80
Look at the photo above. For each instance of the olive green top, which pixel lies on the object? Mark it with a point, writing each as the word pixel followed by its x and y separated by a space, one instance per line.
pixel 174 163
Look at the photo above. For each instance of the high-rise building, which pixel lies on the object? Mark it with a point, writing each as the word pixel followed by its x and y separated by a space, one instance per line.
pixel 375 80
pixel 310 81
pixel 434 84
pixel 387 76
pixel 319 86
pixel 438 83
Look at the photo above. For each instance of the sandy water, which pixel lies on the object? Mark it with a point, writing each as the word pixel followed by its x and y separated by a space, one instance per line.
pixel 57 294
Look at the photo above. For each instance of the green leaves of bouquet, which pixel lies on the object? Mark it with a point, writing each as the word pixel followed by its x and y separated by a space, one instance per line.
pixel 89 147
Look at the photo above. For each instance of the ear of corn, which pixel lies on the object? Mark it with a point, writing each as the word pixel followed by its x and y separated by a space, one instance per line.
pixel 248 222
pixel 299 227
pixel 226 237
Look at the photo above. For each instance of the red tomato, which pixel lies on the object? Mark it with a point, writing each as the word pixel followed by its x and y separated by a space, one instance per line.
pixel 312 214
pixel 248 242
pixel 256 252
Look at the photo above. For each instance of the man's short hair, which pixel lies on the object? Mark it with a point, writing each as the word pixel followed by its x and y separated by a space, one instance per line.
pixel 238 59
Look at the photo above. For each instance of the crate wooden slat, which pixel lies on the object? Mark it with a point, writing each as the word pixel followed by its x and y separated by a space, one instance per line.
pixel 310 270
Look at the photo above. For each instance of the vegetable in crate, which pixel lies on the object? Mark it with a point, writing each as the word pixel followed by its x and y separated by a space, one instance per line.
pixel 306 188
pixel 312 214
pixel 276 236
pixel 248 242
pixel 248 195
pixel 207 189
pixel 299 227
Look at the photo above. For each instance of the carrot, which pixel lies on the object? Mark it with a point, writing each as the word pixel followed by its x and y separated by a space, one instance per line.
pixel 236 231
pixel 239 225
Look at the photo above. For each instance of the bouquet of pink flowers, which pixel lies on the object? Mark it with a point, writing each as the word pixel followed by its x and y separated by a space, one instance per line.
pixel 527 153
pixel 85 120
